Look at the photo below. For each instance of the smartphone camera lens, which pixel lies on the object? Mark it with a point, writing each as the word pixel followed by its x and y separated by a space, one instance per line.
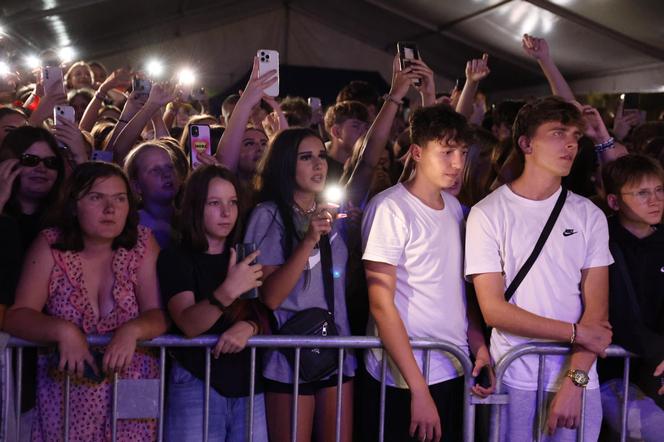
pixel 194 131
pixel 262 53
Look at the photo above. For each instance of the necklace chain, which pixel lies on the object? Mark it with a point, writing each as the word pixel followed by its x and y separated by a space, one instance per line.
pixel 300 210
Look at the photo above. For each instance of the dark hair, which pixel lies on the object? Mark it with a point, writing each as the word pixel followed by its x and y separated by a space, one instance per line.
pixel 11 110
pixel 297 111
pixel 78 185
pixel 543 110
pixel 629 169
pixel 343 111
pixel 438 122
pixel 359 91
pixel 193 205
pixel 275 180
pixel 85 92
pixel 16 143
pixel 506 112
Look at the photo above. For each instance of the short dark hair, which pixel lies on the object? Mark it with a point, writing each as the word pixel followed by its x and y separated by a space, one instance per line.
pixel 629 169
pixel 78 185
pixel 12 110
pixel 436 123
pixel 360 91
pixel 506 112
pixel 297 111
pixel 345 110
pixel 193 205
pixel 543 110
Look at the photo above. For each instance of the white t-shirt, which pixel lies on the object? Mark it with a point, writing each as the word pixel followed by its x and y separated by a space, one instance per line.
pixel 425 245
pixel 501 233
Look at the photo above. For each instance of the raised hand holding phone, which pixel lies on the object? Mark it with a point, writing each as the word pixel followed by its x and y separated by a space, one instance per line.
pixel 268 61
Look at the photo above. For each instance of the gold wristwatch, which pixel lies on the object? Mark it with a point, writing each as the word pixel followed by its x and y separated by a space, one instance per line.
pixel 579 377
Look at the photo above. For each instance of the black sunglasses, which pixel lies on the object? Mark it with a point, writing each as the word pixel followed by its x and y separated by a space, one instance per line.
pixel 29 160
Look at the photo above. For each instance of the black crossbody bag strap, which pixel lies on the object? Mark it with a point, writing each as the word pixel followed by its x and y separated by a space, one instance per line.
pixel 326 267
pixel 621 264
pixel 523 271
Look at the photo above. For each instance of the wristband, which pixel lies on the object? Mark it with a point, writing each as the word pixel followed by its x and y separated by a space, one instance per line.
pixel 388 97
pixel 573 338
pixel 214 301
pixel 608 144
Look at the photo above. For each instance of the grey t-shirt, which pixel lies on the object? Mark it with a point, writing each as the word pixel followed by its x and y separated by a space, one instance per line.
pixel 266 229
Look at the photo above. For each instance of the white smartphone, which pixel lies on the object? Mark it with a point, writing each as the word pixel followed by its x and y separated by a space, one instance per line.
pixel 268 60
pixel 52 75
pixel 314 103
pixel 62 112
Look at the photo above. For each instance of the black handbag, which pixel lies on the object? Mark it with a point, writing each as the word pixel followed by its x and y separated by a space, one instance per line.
pixel 316 363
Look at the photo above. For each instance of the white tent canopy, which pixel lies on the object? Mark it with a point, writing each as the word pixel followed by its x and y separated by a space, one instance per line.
pixel 599 45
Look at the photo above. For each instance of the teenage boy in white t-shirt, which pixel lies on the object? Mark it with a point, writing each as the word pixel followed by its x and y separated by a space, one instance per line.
pixel 413 257
pixel 564 296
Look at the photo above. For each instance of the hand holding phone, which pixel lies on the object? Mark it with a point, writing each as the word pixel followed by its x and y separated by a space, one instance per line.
pixel 199 141
pixel 52 80
pixel 62 112
pixel 268 60
pixel 408 51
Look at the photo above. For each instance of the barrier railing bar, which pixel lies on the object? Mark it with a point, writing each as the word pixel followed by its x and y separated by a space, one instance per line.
pixel 162 393
pixel 383 393
pixel 340 375
pixel 252 394
pixel 206 398
pixel 114 411
pixel 580 436
pixel 6 396
pixel 540 398
pixel 66 406
pixel 623 408
pixel 296 391
pixel 18 389
pixel 538 348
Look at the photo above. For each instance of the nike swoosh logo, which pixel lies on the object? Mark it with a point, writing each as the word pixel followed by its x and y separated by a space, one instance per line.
pixel 569 232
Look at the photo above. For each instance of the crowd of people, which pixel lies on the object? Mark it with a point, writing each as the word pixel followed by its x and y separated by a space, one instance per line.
pixel 483 226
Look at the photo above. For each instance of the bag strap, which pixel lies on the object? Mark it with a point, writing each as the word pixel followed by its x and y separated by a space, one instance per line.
pixel 326 266
pixel 523 271
pixel 621 264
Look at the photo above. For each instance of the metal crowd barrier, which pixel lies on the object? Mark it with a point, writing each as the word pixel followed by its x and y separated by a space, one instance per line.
pixel 543 349
pixel 150 404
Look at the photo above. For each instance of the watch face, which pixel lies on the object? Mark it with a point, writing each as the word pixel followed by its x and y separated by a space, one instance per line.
pixel 579 377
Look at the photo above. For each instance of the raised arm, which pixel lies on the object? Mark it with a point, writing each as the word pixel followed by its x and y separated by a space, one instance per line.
pixel 379 133
pixel 538 49
pixel 476 70
pixel 228 150
pixel 54 94
pixel 118 78
pixel 160 94
pixel 596 130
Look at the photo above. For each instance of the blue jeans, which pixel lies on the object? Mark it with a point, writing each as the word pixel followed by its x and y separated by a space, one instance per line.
pixel 227 417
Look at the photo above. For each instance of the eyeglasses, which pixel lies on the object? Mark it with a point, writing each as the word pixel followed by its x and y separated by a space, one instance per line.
pixel 29 160
pixel 644 195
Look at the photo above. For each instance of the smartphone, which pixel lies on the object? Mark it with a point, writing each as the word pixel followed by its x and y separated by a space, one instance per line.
pixel 62 112
pixel 141 85
pixel 52 75
pixel 631 101
pixel 102 155
pixel 199 141
pixel 268 60
pixel 243 250
pixel 408 51
pixel 483 380
pixel 314 103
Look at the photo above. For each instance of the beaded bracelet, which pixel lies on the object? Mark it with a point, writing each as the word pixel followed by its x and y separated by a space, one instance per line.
pixel 608 144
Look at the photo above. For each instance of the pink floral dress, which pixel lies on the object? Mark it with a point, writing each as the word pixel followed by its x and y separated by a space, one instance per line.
pixel 89 402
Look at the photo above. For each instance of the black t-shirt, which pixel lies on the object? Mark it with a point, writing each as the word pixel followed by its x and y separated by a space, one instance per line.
pixel 201 273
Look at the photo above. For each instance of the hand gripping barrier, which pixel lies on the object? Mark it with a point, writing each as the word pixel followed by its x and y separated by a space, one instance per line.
pixel 543 349
pixel 145 398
